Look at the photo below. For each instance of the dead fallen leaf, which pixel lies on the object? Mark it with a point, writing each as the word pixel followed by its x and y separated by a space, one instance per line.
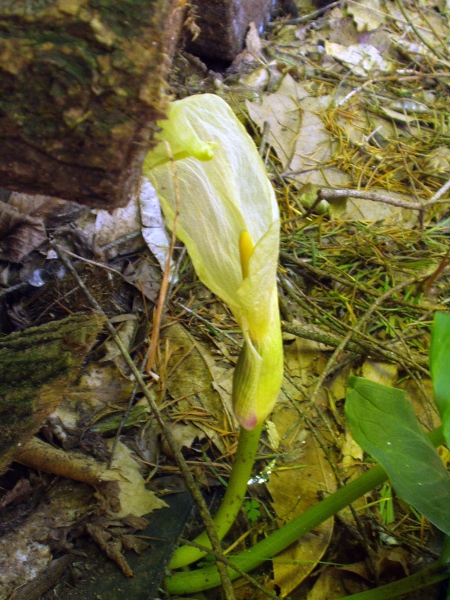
pixel 145 277
pixel 153 228
pixel 190 383
pixel 298 134
pixel 20 234
pixel 283 114
pixel 420 393
pixel 334 583
pixel 129 494
pixel 380 372
pixel 53 211
pixel 134 497
pixel 100 386
pixel 367 14
pixel 126 333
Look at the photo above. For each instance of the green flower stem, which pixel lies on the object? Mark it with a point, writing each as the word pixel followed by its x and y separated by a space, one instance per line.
pixel 232 501
pixel 208 577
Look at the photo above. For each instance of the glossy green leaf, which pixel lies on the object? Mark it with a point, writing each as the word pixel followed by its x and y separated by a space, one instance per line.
pixel 440 368
pixel 383 423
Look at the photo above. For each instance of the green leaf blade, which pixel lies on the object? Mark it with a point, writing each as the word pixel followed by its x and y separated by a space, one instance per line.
pixel 383 423
pixel 440 368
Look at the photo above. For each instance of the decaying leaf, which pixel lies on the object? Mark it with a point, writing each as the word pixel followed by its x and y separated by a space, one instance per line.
pixel 53 211
pixel 20 234
pixel 365 210
pixel 380 372
pixel 126 332
pixel 28 546
pixel 153 228
pixel 145 277
pixel 190 383
pixel 361 59
pixel 283 113
pixel 102 228
pixel 367 14
pixel 133 496
pixel 340 582
pixel 127 496
pixel 334 583
pixel 298 134
pixel 99 390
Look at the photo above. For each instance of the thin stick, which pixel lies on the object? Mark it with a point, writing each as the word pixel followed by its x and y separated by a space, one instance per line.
pixel 173 444
pixel 328 194
pixel 158 312
pixel 378 302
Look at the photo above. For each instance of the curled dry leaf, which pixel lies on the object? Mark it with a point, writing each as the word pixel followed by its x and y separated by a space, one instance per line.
pixel 190 382
pixel 298 134
pixel 20 234
pixel 129 494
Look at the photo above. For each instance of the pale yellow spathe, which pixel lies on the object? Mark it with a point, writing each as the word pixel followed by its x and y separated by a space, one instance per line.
pixel 226 203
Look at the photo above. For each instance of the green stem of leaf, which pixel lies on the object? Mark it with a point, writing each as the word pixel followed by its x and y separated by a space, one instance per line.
pixel 232 501
pixel 208 577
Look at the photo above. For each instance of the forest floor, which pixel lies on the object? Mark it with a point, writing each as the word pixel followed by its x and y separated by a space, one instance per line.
pixel 349 109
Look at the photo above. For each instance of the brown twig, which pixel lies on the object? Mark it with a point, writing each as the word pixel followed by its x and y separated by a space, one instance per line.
pixel 158 312
pixel 378 302
pixel 329 194
pixel 173 444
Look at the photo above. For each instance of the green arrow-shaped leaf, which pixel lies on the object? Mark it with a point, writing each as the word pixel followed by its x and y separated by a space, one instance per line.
pixel 440 368
pixel 383 423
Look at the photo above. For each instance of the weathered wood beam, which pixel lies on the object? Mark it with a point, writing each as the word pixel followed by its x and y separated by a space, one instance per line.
pixel 81 85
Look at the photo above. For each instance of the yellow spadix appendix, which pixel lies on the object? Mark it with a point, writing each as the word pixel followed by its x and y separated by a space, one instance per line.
pixel 228 219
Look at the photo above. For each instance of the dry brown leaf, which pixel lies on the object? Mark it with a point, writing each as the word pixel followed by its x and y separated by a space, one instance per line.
pixel 298 134
pixel 101 385
pixel 334 583
pixel 19 233
pixel 282 112
pixel 53 211
pixel 380 372
pixel 421 395
pixel 145 277
pixel 190 382
pixel 367 14
pixel 295 486
pixel 134 497
pixel 305 360
pixel 126 333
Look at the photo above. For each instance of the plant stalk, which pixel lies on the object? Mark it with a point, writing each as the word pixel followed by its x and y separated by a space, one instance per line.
pixel 232 501
pixel 208 577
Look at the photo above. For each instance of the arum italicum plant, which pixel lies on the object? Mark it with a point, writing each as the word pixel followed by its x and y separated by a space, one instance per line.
pixel 228 219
